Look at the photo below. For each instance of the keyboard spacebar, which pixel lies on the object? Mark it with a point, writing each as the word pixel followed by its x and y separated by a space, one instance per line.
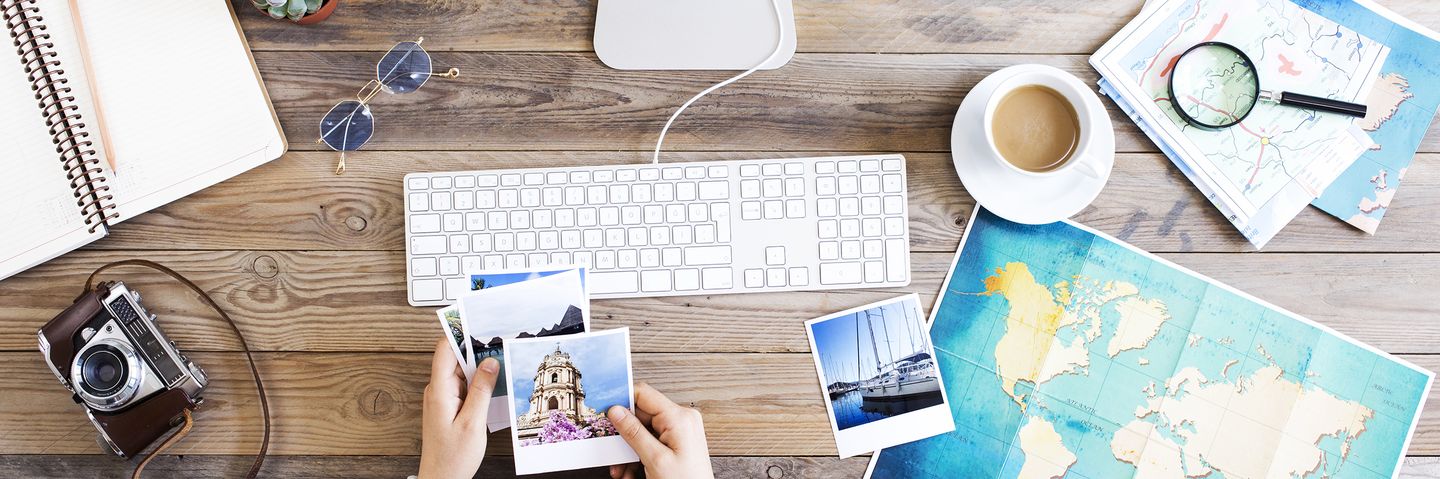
pixel 613 282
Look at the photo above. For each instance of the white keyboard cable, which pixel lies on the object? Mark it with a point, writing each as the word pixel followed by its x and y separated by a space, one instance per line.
pixel 779 44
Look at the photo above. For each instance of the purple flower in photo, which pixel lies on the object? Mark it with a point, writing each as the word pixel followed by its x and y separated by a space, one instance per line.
pixel 602 427
pixel 559 428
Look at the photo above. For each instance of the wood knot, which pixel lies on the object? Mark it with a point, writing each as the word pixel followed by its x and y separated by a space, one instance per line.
pixel 356 223
pixel 380 404
pixel 959 221
pixel 774 472
pixel 265 266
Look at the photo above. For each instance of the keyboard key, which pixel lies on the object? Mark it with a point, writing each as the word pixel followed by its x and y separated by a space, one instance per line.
pixel 485 199
pixel 694 172
pixel 454 222
pixel 510 180
pixel 869 166
pixel 893 183
pixel 597 195
pixel 871 227
pixel 550 239
pixel 423 267
pixel 552 196
pixel 586 217
pixel 699 212
pixel 773 188
pixel 613 282
pixel 564 218
pixel 826 207
pixel 594 238
pixel 649 174
pixel 440 182
pixel 825 167
pixel 619 194
pixel 494 262
pixel 685 191
pixel 530 197
pixel 829 229
pixel 640 193
pixel 418 202
pixel 772 169
pixel 874 272
pixel 570 239
pixel 870 184
pixel 840 273
pixel 427 245
pixel 480 243
pixel 449 266
pixel 625 176
pixel 580 177
pixel 664 193
pixel 584 258
pixel 465 181
pixel 794 209
pixel 654 214
pixel 849 185
pixel 681 235
pixel 675 213
pixel 541 219
pixel 794 186
pixel 419 183
pixel 638 236
pixel 870 206
pixel 672 173
pixel 847 166
pixel 670 257
pixel 626 258
pixel 775 255
pixel 716 190
pixel 849 227
pixel 631 215
pixel 520 219
pixel 515 261
pixel 504 242
pixel 750 210
pixel 509 198
pixel 718 171
pixel 655 280
pixel 717 278
pixel 754 278
pixel 660 235
pixel 895 264
pixel 749 189
pixel 705 234
pixel 614 237
pixel 464 200
pixel 775 277
pixel 555 178
pixel 470 265
pixel 534 179
pixel 720 214
pixel 707 255
pixel 687 279
pixel 427 290
pixel 849 206
pixel 425 223
pixel 487 181
pixel 890 164
pixel 459 244
pixel 850 249
pixel 894 226
pixel 800 276
pixel 825 185
pixel 650 258
pixel 605 260
pixel 794 169
pixel 574 195
pixel 609 216
pixel 829 250
pixel 872 249
pixel 774 210
pixel 749 170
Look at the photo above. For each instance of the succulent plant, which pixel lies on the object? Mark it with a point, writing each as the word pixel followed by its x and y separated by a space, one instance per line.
pixel 291 9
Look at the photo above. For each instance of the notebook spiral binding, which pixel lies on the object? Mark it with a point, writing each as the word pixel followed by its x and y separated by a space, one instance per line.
pixel 67 129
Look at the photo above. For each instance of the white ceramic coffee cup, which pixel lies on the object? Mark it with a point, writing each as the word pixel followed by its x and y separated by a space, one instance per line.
pixel 1054 79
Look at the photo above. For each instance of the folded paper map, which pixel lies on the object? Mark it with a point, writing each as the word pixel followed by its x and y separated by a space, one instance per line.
pixel 1065 351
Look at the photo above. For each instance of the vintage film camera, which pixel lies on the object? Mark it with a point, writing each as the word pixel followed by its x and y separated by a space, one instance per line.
pixel 134 383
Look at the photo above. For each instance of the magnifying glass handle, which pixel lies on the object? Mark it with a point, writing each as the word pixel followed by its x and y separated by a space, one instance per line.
pixel 1323 104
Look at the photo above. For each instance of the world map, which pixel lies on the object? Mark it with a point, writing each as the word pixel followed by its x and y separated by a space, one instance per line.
pixel 1069 354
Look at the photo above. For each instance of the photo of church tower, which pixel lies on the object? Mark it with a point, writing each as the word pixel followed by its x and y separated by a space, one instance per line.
pixel 557 388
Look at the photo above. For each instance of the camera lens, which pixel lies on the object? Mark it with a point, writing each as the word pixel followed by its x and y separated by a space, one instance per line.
pixel 102 371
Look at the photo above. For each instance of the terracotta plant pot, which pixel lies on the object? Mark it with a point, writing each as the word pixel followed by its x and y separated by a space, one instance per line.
pixel 326 8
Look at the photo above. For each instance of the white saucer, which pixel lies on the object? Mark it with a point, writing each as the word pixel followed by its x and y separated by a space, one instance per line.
pixel 1018 197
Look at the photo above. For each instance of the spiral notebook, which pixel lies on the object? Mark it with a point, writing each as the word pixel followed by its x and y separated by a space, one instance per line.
pixel 172 93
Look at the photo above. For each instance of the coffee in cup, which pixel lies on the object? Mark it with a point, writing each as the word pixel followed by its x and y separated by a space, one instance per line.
pixel 1036 123
pixel 1035 128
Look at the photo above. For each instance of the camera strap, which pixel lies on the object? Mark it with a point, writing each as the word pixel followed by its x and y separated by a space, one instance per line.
pixel 259 385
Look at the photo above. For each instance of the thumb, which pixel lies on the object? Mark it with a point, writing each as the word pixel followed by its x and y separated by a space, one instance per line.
pixel 477 398
pixel 636 435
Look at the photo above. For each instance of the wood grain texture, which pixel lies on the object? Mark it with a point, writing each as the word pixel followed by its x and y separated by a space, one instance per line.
pixel 355 301
pixel 569 101
pixel 393 467
pixel 298 203
pixel 825 26
pixel 369 404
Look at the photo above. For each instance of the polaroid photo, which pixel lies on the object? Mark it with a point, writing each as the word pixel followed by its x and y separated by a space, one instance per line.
pixel 879 376
pixel 520 304
pixel 562 387
pixel 454 330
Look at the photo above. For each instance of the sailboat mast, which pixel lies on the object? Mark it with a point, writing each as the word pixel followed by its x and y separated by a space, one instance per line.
pixel 889 347
pixel 871 326
pixel 858 374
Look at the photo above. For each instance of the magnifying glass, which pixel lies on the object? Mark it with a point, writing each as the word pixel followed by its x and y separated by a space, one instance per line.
pixel 1214 85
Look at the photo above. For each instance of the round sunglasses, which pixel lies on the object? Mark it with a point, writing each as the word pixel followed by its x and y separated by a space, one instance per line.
pixel 350 123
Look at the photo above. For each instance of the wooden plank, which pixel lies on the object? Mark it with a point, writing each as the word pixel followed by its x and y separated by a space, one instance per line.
pixel 1147 202
pixel 369 404
pixel 355 301
pixel 569 101
pixel 827 26
pixel 387 467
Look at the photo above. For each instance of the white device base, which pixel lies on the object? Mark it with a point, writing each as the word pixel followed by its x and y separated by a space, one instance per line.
pixel 692 34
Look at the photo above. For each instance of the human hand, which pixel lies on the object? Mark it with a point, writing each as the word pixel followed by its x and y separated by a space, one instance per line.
pixel 677 448
pixel 453 429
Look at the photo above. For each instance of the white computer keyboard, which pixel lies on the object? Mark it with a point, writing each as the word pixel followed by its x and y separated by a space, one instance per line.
pixel 664 230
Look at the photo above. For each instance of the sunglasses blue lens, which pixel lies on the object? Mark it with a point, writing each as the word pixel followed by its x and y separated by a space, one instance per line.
pixel 347 126
pixel 404 68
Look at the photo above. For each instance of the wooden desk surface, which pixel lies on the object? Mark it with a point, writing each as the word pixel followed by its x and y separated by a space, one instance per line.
pixel 312 264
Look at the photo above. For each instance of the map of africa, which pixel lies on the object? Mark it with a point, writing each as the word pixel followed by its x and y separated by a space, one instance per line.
pixel 1069 354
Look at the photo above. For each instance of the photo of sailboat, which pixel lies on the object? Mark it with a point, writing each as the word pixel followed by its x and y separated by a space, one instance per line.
pixel 877 363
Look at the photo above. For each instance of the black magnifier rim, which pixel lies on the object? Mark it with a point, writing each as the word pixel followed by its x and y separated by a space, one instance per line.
pixel 1254 80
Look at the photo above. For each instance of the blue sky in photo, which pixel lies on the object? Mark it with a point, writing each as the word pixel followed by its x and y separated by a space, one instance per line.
pixel 602 360
pixel 502 279
pixel 835 340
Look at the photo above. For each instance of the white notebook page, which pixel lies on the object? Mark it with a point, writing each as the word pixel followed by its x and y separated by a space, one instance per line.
pixel 39 219
pixel 181 100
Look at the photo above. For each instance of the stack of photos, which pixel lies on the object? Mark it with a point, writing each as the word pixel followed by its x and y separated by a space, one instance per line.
pixel 878 375
pixel 514 304
pixel 562 387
